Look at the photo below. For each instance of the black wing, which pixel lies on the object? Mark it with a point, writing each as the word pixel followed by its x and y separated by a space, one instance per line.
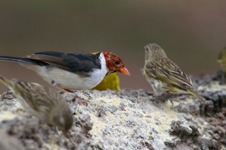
pixel 79 62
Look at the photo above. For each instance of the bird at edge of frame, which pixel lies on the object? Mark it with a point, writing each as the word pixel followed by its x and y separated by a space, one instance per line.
pixel 111 82
pixel 72 71
pixel 42 102
pixel 165 77
pixel 222 61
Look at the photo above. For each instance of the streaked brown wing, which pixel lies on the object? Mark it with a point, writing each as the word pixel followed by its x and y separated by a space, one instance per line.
pixel 150 70
pixel 167 71
pixel 36 96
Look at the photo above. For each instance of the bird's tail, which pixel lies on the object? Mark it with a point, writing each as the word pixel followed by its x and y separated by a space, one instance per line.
pixel 192 92
pixel 6 82
pixel 23 60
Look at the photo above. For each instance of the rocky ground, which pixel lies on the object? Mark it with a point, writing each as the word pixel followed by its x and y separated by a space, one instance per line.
pixel 126 119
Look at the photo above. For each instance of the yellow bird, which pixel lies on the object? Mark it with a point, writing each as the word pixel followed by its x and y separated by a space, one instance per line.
pixel 222 59
pixel 109 82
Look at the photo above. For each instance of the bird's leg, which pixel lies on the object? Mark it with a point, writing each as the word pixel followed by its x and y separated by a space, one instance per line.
pixel 164 97
pixel 55 130
pixel 54 83
pixel 78 99
pixel 223 78
pixel 62 90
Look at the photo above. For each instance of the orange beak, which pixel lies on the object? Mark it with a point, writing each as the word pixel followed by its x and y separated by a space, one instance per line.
pixel 124 71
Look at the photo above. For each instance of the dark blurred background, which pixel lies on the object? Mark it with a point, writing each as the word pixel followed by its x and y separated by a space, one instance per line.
pixel 191 32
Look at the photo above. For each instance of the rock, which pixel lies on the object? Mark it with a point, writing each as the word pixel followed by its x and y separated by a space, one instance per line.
pixel 8 142
pixel 126 119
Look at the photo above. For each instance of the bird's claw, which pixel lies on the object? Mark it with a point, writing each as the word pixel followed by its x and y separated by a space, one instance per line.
pixel 80 101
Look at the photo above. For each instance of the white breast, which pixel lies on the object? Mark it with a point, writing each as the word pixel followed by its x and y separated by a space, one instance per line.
pixel 69 80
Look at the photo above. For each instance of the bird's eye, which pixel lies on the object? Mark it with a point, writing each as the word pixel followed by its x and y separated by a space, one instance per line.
pixel 117 62
pixel 146 49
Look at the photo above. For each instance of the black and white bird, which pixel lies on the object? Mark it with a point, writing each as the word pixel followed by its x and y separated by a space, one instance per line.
pixel 72 71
